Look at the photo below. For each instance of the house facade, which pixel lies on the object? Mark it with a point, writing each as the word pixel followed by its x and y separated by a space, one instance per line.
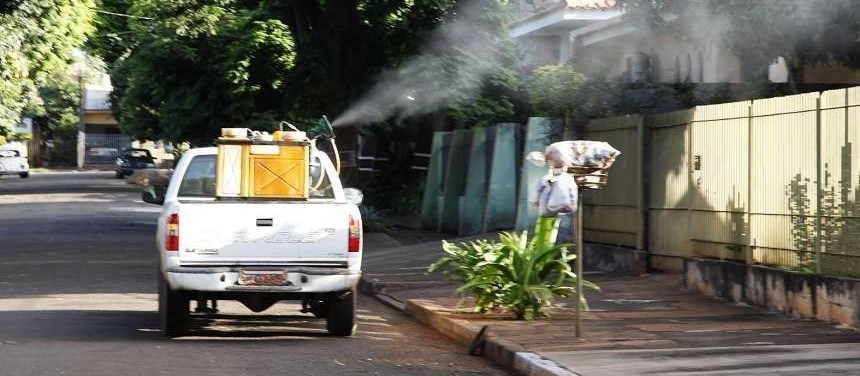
pixel 601 41
pixel 544 28
pixel 103 140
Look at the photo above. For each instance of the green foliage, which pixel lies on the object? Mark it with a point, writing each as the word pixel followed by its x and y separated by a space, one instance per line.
pixel 560 91
pixel 65 146
pixel 555 90
pixel 199 66
pixel 114 38
pixel 60 114
pixel 183 69
pixel 490 95
pixel 37 41
pixel 21 136
pixel 61 102
pixel 515 273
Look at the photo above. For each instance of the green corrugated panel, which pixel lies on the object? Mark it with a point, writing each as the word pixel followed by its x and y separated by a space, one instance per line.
pixel 455 182
pixel 433 183
pixel 538 133
pixel 475 198
pixel 502 189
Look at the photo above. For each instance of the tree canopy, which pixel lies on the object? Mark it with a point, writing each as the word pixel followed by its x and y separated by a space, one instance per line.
pixel 39 37
pixel 182 69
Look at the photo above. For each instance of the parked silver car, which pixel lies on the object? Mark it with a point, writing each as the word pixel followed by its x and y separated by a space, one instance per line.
pixel 12 162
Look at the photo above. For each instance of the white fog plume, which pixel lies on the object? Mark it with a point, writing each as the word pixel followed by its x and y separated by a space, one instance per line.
pixel 427 82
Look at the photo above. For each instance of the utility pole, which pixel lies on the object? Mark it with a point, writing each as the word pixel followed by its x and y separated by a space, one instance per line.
pixel 81 71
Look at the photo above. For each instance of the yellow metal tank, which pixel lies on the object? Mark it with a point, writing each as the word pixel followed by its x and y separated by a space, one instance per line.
pixel 262 169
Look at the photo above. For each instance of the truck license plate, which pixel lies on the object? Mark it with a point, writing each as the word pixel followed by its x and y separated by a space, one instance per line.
pixel 263 277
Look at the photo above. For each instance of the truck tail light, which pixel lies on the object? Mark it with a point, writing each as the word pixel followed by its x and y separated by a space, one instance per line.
pixel 171 242
pixel 354 233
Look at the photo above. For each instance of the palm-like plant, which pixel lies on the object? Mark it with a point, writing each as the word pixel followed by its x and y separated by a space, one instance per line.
pixel 463 264
pixel 517 274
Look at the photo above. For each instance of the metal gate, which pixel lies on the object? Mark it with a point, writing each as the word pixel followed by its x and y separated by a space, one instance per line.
pixel 104 148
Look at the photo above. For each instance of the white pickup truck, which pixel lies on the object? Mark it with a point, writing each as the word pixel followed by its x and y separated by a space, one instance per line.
pixel 258 252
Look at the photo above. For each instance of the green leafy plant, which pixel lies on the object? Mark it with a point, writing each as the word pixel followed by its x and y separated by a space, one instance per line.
pixel 463 264
pixel 515 274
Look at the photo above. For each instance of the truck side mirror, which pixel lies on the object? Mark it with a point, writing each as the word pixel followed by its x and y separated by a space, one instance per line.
pixel 153 195
pixel 353 196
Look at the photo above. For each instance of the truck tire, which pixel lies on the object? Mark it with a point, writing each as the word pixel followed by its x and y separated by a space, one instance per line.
pixel 24 174
pixel 173 310
pixel 341 314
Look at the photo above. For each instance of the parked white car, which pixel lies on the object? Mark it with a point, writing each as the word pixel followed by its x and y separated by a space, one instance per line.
pixel 13 163
pixel 258 252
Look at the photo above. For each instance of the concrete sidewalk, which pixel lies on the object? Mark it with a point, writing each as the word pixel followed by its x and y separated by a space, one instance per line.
pixel 636 325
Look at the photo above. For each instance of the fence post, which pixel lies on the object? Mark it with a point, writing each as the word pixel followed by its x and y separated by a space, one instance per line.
pixel 748 256
pixel 818 183
pixel 644 178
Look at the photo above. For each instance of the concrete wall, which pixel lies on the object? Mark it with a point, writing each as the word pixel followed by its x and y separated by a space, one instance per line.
pixel 614 260
pixel 803 295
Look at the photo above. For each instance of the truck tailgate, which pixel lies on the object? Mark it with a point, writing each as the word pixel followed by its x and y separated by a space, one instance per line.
pixel 263 233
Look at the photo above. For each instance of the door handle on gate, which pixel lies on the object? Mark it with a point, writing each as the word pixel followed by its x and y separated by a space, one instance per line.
pixel 268 222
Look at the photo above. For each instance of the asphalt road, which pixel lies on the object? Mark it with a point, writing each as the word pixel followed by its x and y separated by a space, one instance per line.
pixel 77 297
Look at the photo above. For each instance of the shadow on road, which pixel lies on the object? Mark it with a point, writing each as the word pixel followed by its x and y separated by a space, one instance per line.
pixel 132 326
pixel 74 325
pixel 256 326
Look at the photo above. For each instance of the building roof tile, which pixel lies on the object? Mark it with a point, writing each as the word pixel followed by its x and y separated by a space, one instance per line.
pixel 590 4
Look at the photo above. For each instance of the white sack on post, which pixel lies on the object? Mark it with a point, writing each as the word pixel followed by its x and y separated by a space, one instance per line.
pixel 592 154
pixel 557 194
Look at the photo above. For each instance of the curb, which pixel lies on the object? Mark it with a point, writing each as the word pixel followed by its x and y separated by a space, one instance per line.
pixel 500 351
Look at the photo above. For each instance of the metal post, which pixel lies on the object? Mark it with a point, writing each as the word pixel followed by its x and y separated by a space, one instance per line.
pixel 819 185
pixel 578 233
pixel 748 247
pixel 81 147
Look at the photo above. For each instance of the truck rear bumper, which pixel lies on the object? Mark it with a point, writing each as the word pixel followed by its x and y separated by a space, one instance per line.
pixel 225 279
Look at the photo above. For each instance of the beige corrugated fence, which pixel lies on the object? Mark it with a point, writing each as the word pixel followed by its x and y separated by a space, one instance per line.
pixel 772 181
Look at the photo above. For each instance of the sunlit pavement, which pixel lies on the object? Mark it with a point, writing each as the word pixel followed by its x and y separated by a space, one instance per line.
pixel 643 325
pixel 77 297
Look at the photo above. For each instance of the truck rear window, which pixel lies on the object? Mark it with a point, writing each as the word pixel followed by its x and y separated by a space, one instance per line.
pixel 199 179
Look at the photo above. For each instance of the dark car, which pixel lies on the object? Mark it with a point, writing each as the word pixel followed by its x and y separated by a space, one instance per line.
pixel 101 155
pixel 133 159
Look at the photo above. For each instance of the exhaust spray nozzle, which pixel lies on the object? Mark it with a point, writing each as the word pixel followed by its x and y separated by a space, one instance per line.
pixel 323 129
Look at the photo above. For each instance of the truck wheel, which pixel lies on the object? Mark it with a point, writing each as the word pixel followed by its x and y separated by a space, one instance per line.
pixel 24 175
pixel 119 175
pixel 173 310
pixel 341 314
